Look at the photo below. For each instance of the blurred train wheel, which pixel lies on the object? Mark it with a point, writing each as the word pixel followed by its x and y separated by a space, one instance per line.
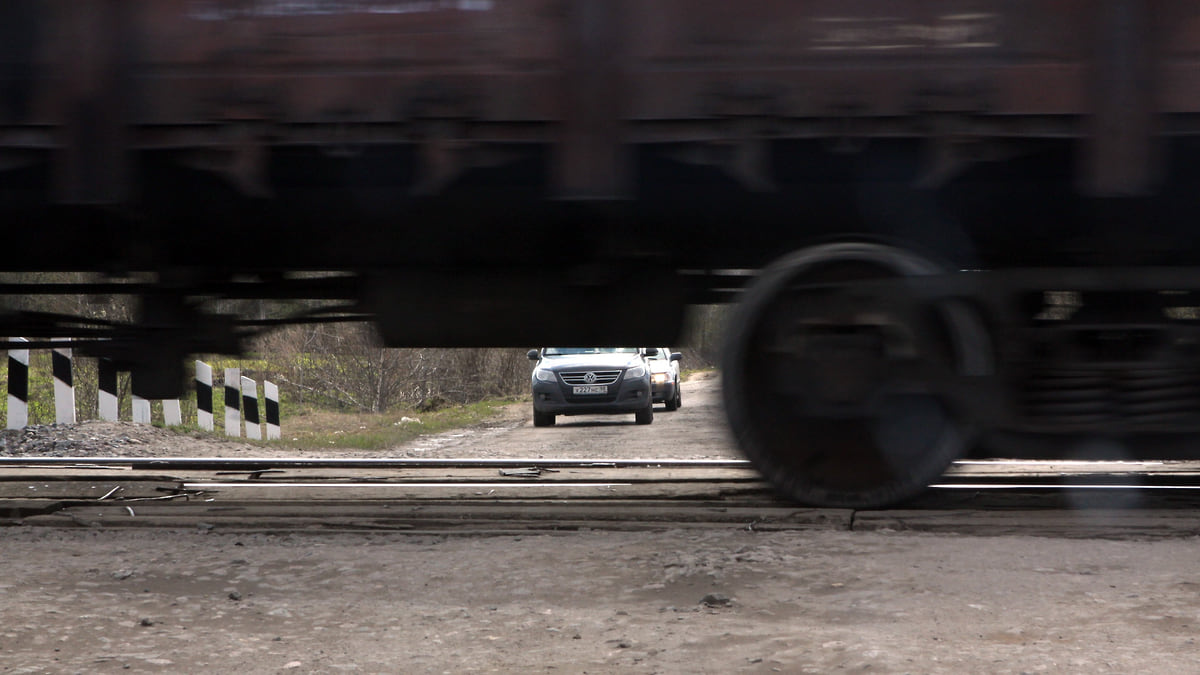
pixel 837 392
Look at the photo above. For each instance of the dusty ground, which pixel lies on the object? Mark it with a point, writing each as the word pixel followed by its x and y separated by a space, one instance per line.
pixel 712 601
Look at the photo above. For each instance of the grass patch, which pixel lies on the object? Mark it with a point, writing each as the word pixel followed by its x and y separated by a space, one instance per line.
pixel 320 429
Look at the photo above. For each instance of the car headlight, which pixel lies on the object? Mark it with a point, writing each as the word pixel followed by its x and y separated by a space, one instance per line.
pixel 659 378
pixel 542 375
pixel 636 371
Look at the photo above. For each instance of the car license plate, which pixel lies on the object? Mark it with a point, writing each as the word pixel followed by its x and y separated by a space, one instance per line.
pixel 591 389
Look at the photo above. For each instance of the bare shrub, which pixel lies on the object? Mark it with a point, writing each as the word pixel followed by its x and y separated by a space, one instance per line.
pixel 345 364
pixel 703 336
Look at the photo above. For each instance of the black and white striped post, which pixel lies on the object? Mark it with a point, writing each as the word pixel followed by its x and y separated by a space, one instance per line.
pixel 108 402
pixel 250 408
pixel 232 417
pixel 271 403
pixel 18 387
pixel 204 397
pixel 64 386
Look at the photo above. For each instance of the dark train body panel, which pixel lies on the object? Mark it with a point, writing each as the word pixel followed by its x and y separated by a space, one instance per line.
pixel 986 122
pixel 995 199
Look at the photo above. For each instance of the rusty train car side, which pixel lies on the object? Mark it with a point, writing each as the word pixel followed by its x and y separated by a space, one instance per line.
pixel 970 221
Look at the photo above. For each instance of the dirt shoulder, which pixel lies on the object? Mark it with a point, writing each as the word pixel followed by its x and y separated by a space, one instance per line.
pixel 715 601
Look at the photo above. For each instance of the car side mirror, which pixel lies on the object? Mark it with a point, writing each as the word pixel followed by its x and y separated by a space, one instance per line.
pixel 651 351
pixel 675 356
pixel 532 354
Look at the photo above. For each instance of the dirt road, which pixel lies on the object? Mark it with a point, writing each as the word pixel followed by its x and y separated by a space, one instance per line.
pixel 694 431
pixel 671 601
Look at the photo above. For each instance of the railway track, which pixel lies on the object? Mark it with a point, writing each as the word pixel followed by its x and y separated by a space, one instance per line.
pixel 514 496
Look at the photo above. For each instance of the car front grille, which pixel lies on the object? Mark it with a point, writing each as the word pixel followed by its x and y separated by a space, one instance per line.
pixel 581 377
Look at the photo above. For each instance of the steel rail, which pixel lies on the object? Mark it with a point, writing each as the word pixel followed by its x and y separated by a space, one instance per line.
pixel 992 475
pixel 1095 466
pixel 158 463
pixel 427 496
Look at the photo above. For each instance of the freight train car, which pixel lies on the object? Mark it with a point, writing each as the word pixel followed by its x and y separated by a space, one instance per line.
pixel 969 224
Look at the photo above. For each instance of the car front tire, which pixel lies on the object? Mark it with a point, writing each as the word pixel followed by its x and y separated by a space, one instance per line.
pixel 673 402
pixel 541 419
pixel 645 415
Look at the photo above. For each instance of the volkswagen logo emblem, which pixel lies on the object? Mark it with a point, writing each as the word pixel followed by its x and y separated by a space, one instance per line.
pixel 590 378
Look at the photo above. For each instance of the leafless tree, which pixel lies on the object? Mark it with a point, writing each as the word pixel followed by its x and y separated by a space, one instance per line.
pixel 346 364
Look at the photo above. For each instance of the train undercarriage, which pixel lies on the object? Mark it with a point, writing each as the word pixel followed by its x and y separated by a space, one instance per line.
pixel 882 329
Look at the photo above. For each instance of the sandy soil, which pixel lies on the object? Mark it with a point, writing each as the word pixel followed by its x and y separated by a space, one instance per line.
pixel 675 601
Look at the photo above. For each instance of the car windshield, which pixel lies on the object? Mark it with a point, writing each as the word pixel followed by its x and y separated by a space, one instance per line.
pixel 563 351
pixel 663 353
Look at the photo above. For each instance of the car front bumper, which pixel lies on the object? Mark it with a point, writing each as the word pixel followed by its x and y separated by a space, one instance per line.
pixel 623 397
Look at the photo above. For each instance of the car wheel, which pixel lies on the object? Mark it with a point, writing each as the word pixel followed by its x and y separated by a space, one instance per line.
pixel 645 415
pixel 541 419
pixel 678 395
pixel 673 402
